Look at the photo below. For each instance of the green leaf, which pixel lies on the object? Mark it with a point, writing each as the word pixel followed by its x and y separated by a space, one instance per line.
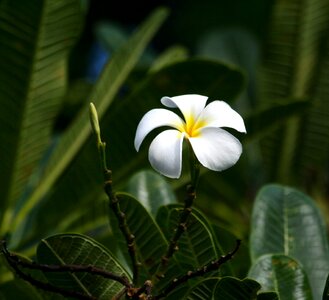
pixel 261 121
pixel 229 288
pixel 286 221
pixel 268 296
pixel 33 74
pixel 18 289
pixel 116 72
pixel 199 244
pixel 291 68
pixel 151 189
pixel 226 288
pixel 149 240
pixel 203 290
pixel 326 290
pixel 283 275
pixel 80 250
pixel 82 179
pixel 169 56
pixel 225 242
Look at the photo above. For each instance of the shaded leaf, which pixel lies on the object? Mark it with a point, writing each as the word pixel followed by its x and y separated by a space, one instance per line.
pixel 199 244
pixel 226 288
pixel 291 69
pixel 204 289
pixel 18 289
pixel 149 240
pixel 286 221
pixel 230 288
pixel 283 275
pixel 151 189
pixel 268 296
pixel 80 250
pixel 326 290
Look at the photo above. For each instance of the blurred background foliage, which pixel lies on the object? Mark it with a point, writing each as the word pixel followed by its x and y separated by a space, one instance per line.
pixel 268 59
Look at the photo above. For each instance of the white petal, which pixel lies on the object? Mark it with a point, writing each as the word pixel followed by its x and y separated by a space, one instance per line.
pixel 216 149
pixel 165 153
pixel 220 114
pixel 153 119
pixel 190 105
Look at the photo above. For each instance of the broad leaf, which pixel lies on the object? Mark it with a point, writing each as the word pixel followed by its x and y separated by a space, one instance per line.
pixel 283 275
pixel 286 221
pixel 226 288
pixel 225 242
pixel 80 250
pixel 199 244
pixel 33 74
pixel 151 189
pixel 149 240
pixel 203 290
pixel 230 288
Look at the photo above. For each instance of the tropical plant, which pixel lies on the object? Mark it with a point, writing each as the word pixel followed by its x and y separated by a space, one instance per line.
pixel 75 241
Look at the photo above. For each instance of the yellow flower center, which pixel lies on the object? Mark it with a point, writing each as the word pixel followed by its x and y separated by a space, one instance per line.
pixel 192 127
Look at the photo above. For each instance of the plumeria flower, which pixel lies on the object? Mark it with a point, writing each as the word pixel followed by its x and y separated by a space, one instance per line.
pixel 214 147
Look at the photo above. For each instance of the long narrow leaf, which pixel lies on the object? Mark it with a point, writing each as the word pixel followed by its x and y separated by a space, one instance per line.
pixel 33 58
pixel 112 78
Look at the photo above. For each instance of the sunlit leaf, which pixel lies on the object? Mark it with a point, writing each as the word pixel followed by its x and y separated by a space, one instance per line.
pixel 286 221
pixel 283 275
pixel 33 56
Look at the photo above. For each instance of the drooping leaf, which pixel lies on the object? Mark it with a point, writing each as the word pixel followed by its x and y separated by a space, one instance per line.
pixel 283 275
pixel 286 221
pixel 33 55
pixel 115 72
pixel 151 189
pixel 76 249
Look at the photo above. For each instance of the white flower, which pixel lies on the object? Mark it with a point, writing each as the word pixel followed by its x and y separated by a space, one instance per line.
pixel 215 148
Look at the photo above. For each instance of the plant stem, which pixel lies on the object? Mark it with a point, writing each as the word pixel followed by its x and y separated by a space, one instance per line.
pixel 121 217
pixel 182 223
pixel 212 266
pixel 11 259
pixel 114 201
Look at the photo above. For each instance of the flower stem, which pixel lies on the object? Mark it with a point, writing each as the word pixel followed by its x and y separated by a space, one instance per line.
pixel 114 201
pixel 182 223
